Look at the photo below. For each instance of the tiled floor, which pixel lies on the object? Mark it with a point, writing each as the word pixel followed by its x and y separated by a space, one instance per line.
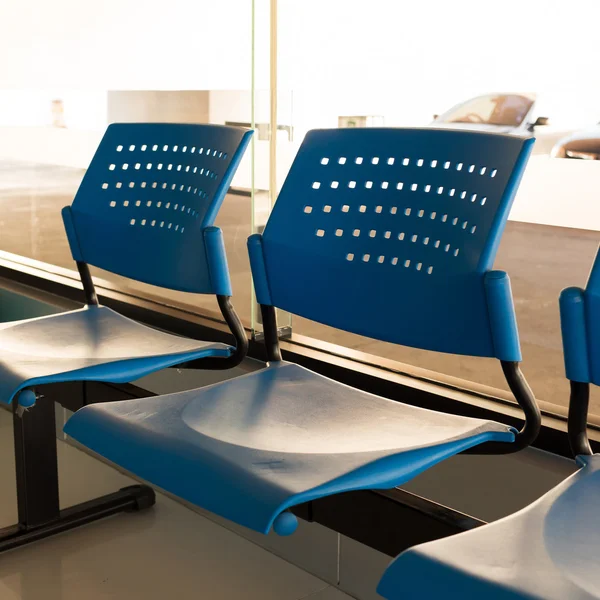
pixel 166 552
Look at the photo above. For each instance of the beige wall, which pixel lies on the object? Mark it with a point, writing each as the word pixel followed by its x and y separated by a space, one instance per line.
pixel 158 106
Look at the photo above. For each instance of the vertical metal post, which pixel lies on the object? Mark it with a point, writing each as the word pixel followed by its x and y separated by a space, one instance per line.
pixel 36 465
pixel 273 103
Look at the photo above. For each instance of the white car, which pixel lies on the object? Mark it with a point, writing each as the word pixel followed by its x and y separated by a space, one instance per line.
pixel 582 145
pixel 512 113
pixel 498 113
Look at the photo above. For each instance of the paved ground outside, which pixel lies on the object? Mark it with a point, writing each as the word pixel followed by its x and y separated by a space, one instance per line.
pixel 541 261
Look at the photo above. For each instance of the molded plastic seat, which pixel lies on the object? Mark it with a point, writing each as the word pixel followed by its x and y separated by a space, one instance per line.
pixel 276 438
pixel 93 343
pixel 250 448
pixel 547 551
pixel 144 210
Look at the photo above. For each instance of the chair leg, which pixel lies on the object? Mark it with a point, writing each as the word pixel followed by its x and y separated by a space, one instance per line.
pixel 36 464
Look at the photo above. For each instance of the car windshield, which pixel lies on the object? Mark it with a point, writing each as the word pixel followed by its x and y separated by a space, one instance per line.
pixel 507 110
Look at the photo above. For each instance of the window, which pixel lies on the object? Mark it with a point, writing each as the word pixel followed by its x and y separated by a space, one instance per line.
pixel 339 64
pixel 55 106
pixel 461 56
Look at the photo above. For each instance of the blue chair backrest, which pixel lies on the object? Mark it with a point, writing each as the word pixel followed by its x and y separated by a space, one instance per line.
pixel 148 200
pixel 388 233
pixel 580 325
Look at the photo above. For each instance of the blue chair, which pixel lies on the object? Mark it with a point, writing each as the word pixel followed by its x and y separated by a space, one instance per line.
pixel 549 550
pixel 145 210
pixel 387 233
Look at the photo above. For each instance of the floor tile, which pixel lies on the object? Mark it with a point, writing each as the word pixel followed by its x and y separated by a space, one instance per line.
pixel 166 552
pixel 361 569
pixel 329 593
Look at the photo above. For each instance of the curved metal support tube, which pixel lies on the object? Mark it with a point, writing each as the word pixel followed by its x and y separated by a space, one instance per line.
pixel 269 320
pixel 239 333
pixel 91 299
pixel 578 415
pixel 526 400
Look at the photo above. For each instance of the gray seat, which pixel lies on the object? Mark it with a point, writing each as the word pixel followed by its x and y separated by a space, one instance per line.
pixel 547 551
pixel 93 343
pixel 135 219
pixel 286 433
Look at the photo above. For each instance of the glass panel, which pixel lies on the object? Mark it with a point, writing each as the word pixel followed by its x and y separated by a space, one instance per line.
pixel 361 64
pixel 194 69
pixel 273 122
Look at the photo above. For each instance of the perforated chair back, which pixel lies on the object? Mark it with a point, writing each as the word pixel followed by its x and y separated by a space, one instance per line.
pixel 389 233
pixel 147 201
pixel 580 324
